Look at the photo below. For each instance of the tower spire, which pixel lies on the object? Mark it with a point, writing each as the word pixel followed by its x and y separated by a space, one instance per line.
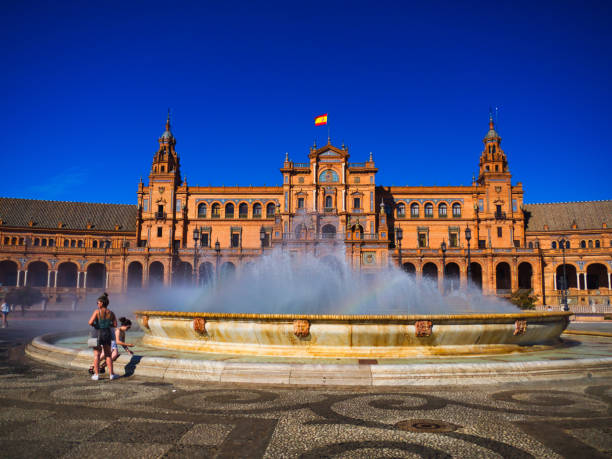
pixel 168 121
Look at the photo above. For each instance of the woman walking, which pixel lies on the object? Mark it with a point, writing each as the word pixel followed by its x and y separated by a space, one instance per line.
pixel 105 320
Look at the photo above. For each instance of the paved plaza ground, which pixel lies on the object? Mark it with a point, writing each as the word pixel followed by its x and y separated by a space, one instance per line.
pixel 54 412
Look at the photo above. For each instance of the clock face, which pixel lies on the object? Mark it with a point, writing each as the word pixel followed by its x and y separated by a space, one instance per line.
pixel 369 258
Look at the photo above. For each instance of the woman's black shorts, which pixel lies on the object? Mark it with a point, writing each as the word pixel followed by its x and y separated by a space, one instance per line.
pixel 104 337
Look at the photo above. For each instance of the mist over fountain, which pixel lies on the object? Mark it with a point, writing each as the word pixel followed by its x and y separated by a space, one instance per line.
pixel 282 283
pixel 301 305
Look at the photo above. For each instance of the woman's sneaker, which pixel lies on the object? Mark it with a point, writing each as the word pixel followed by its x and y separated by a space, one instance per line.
pixel 95 377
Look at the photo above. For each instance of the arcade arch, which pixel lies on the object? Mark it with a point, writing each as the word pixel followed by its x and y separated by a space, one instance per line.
pixel 134 275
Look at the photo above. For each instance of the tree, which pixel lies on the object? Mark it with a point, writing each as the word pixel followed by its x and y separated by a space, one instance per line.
pixel 24 296
pixel 524 299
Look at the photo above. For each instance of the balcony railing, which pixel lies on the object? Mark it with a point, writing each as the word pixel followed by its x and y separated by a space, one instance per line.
pixel 160 215
pixel 500 215
pixel 329 237
pixel 356 164
pixel 301 165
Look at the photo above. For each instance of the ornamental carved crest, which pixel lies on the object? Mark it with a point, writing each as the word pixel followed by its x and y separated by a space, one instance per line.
pixel 423 328
pixel 144 320
pixel 161 189
pixel 520 327
pixel 199 325
pixel 301 328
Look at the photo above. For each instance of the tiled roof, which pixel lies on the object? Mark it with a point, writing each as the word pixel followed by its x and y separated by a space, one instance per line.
pixel 562 215
pixel 73 215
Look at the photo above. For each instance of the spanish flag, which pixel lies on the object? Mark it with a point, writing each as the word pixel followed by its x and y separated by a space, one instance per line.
pixel 321 120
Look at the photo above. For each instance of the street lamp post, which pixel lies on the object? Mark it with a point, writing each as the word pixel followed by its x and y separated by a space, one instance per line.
pixel 443 248
pixel 106 243
pixel 196 239
pixel 468 236
pixel 564 305
pixel 218 252
pixel 262 238
pixel 400 235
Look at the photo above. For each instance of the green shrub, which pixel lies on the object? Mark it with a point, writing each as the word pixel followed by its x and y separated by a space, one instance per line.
pixel 24 297
pixel 524 299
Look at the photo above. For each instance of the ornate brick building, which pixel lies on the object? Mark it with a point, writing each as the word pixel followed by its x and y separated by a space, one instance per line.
pixel 178 234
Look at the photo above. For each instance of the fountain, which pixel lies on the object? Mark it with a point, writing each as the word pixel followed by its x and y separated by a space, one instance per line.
pixel 320 307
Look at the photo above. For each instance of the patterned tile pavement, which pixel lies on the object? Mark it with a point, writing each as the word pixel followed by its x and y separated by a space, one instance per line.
pixel 53 412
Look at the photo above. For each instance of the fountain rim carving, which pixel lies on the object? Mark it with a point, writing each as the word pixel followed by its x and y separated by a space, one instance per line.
pixel 352 336
pixel 368 317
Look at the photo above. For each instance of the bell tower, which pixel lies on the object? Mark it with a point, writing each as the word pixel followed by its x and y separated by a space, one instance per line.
pixel 166 161
pixel 493 162
pixel 160 203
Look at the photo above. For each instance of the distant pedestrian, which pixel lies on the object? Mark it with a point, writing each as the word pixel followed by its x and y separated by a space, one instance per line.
pixel 104 320
pixel 119 340
pixel 5 309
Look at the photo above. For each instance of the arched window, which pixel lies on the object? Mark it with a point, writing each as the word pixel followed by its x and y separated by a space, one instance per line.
pixel 456 210
pixel 256 210
pixel 590 244
pixel 531 245
pixel 329 176
pixel 216 210
pixel 429 210
pixel 80 243
pixel 567 244
pixel 72 243
pixel 414 210
pixel 36 241
pixel 43 242
pixel 94 244
pixel 583 244
pixel 202 210
pixel 270 210
pixel 229 210
pixel 597 244
pixel 401 210
pixel 442 210
pixel 328 202
pixel 243 210
pixel 554 245
pixel 66 243
pixel 329 231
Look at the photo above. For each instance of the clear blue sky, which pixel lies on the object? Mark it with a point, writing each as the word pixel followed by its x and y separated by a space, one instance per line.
pixel 86 89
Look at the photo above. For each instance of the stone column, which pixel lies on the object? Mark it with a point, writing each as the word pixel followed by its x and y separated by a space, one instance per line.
pixel 463 279
pixel 25 280
pixel 513 276
pixel 49 278
pixel 79 279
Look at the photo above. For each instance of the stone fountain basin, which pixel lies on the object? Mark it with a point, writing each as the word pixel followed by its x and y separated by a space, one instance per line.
pixel 351 336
